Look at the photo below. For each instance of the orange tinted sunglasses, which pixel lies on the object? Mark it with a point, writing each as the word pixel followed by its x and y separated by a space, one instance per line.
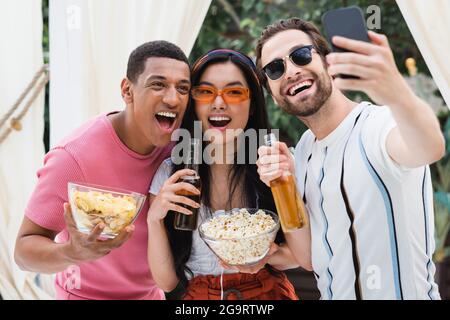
pixel 207 94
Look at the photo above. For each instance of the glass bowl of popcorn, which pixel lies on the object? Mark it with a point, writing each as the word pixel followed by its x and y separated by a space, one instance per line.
pixel 92 204
pixel 240 237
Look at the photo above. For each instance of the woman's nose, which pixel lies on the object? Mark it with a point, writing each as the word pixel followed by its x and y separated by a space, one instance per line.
pixel 219 103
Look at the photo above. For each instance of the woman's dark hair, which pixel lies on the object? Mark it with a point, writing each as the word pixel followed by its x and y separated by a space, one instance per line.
pixel 241 174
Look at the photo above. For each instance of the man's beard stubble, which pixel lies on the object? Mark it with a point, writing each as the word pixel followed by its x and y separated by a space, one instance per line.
pixel 310 104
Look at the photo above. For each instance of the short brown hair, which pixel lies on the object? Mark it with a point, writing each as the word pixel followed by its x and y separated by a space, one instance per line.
pixel 318 40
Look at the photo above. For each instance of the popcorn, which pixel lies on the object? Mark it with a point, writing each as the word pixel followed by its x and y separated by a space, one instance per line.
pixel 93 207
pixel 240 238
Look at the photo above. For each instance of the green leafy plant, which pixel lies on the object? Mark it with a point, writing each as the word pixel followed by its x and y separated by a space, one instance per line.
pixel 441 184
pixel 442 223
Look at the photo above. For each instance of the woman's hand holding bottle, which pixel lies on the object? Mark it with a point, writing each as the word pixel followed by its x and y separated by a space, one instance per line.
pixel 168 199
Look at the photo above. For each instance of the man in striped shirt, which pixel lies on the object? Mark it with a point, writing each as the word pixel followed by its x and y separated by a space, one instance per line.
pixel 362 169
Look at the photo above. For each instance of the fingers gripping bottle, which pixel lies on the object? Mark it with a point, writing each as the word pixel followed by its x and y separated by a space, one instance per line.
pixel 290 207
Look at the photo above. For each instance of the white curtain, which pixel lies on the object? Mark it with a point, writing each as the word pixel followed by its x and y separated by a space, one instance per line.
pixel 428 22
pixel 22 151
pixel 90 42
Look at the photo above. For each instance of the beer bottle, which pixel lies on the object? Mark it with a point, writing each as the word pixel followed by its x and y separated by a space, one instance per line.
pixel 290 207
pixel 191 161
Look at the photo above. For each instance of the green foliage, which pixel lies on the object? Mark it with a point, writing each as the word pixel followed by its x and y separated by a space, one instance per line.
pixel 45 36
pixel 442 224
pixel 45 47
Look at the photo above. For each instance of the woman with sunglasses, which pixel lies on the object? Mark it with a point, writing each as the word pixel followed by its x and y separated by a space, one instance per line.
pixel 226 94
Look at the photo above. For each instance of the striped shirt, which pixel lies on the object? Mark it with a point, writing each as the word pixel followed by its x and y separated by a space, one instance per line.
pixel 372 221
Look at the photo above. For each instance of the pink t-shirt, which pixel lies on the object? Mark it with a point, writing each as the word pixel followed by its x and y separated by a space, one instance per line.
pixel 94 154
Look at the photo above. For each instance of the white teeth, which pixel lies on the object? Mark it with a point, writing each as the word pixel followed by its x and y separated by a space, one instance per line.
pixel 219 118
pixel 299 85
pixel 167 114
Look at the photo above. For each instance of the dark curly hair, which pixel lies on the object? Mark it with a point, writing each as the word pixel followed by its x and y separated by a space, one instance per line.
pixel 160 49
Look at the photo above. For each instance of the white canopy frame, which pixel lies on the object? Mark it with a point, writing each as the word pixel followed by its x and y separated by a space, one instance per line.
pixel 428 23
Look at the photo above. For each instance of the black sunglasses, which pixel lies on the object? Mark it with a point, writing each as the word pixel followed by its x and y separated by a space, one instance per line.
pixel 300 56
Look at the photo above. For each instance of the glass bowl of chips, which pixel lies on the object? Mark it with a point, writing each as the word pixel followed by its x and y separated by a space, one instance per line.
pixel 93 204
pixel 240 237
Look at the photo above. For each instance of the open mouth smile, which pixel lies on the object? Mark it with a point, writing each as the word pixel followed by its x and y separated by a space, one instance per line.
pixel 301 88
pixel 219 122
pixel 166 120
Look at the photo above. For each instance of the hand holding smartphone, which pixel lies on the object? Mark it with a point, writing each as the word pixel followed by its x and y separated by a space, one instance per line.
pixel 369 58
pixel 345 22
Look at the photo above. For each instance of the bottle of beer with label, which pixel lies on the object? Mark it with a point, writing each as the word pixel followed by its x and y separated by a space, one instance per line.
pixel 191 161
pixel 290 207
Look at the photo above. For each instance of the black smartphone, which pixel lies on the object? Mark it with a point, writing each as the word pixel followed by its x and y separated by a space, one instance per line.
pixel 346 22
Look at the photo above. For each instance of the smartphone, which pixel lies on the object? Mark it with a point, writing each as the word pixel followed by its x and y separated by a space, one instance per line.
pixel 345 22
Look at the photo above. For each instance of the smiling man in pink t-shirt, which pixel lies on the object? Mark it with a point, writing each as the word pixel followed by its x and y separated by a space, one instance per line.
pixel 120 150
